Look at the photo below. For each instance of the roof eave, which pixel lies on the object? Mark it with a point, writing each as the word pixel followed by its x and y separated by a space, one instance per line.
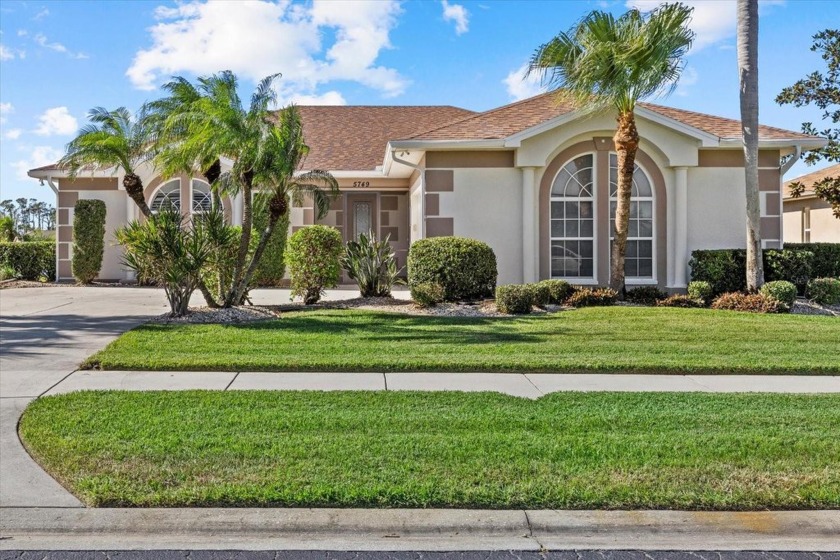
pixel 804 143
pixel 446 144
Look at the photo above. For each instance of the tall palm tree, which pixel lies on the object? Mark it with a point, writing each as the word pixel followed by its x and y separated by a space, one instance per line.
pixel 607 62
pixel 113 139
pixel 748 78
pixel 199 124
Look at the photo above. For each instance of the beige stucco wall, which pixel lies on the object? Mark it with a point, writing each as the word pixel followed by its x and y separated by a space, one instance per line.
pixel 716 208
pixel 486 204
pixel 825 228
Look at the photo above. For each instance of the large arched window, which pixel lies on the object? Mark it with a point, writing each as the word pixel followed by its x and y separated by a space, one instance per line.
pixel 572 220
pixel 170 195
pixel 639 258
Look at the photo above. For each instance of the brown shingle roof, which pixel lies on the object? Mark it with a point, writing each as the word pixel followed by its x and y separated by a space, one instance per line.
pixel 514 118
pixel 354 137
pixel 810 179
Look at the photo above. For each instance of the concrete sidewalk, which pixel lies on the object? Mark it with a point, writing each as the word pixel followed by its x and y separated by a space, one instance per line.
pixel 403 529
pixel 531 385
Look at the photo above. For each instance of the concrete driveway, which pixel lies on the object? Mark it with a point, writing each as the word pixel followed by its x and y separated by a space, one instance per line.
pixel 44 334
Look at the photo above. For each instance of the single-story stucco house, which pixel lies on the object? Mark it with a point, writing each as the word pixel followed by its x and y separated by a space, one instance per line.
pixel 808 218
pixel 534 179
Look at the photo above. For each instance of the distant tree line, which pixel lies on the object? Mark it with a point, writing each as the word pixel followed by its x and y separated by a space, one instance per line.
pixel 23 218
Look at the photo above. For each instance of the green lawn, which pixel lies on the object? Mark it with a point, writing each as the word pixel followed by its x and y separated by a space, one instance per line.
pixel 606 339
pixel 483 450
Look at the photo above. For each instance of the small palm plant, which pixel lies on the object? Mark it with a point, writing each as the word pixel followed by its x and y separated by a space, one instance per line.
pixel 114 139
pixel 372 264
pixel 170 251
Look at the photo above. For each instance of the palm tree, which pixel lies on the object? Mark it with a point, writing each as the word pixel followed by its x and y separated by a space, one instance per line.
pixel 199 124
pixel 748 76
pixel 113 139
pixel 607 62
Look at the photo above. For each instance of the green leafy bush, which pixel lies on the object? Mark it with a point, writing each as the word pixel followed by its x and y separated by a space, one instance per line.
pixel 171 251
pixel 540 294
pixel 679 300
pixel 372 264
pixel 789 266
pixel 88 239
pixel 7 273
pixel 592 297
pixel 271 269
pixel 752 303
pixel 780 290
pixel 826 258
pixel 645 295
pixel 825 291
pixel 515 299
pixel 312 254
pixel 558 290
pixel 224 239
pixel 701 290
pixel 466 268
pixel 427 294
pixel 30 259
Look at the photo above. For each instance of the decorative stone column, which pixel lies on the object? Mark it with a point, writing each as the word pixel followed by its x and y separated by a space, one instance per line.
pixel 530 232
pixel 681 227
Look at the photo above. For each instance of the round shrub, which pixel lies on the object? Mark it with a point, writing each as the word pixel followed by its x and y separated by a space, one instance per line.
pixel 825 291
pixel 540 294
pixel 679 300
pixel 701 290
pixel 88 239
pixel 427 294
pixel 515 299
pixel 466 268
pixel 312 254
pixel 29 259
pixel 645 295
pixel 589 297
pixel 752 303
pixel 780 290
pixel 558 290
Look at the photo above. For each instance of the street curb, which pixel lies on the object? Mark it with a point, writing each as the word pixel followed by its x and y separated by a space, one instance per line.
pixel 403 529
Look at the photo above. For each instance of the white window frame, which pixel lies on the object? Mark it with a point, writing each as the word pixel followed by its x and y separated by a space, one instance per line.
pixel 163 186
pixel 580 280
pixel 638 280
pixel 192 195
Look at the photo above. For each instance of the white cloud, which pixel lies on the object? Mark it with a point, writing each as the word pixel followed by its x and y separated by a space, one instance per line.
pixel 328 98
pixel 5 109
pixel 56 121
pixel 713 21
pixel 13 134
pixel 256 38
pixel 42 40
pixel 457 14
pixel 6 53
pixel 40 155
pixel 688 78
pixel 22 33
pixel 42 14
pixel 521 87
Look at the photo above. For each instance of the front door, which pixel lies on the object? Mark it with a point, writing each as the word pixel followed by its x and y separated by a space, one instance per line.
pixel 361 215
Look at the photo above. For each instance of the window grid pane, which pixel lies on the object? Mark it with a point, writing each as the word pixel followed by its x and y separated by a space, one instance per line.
pixel 572 220
pixel 638 262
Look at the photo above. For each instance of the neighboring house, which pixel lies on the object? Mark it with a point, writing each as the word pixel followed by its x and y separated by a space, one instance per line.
pixel 808 218
pixel 534 179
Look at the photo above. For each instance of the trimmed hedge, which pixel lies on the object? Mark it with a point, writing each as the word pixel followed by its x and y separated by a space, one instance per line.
pixel 780 290
pixel 825 291
pixel 645 295
pixel 312 255
pixel 427 294
pixel 88 239
pixel 725 269
pixel 29 259
pixel 272 266
pixel 515 299
pixel 466 268
pixel 700 290
pixel 559 290
pixel 826 260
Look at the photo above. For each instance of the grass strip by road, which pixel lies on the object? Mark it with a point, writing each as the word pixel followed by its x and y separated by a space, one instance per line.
pixel 459 450
pixel 613 339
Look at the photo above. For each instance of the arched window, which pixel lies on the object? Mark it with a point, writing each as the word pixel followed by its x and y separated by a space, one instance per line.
pixel 639 257
pixel 572 220
pixel 202 199
pixel 168 195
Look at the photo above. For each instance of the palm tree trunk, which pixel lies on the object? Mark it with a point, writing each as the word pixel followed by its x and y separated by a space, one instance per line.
pixel 239 295
pixel 244 241
pixel 748 73
pixel 626 141
pixel 134 188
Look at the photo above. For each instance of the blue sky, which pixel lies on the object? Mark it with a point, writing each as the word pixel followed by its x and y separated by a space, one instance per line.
pixel 59 59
